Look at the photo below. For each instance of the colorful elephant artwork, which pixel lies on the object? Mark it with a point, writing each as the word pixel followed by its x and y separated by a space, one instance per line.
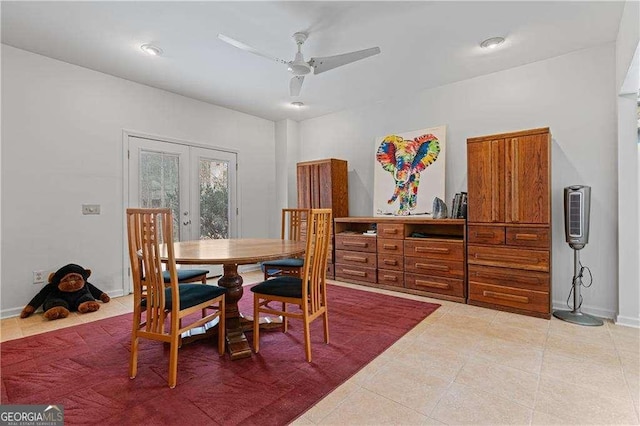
pixel 405 159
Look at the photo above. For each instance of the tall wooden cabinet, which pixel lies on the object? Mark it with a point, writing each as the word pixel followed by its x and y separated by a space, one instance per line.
pixel 323 184
pixel 509 221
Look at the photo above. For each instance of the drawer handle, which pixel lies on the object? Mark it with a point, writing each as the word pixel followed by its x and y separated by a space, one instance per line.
pixel 504 296
pixel 484 234
pixel 390 277
pixel 531 280
pixel 390 262
pixel 390 231
pixel 354 244
pixel 429 266
pixel 356 273
pixel 431 284
pixel 527 237
pixel 431 250
pixel 527 260
pixel 390 246
pixel 356 259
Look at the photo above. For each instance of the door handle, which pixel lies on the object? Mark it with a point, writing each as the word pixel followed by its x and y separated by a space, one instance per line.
pixel 188 222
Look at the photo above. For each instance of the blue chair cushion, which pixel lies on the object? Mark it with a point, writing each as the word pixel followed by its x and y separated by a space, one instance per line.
pixel 282 263
pixel 280 286
pixel 184 274
pixel 191 295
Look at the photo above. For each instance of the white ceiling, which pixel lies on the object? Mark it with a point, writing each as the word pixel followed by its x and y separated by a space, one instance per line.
pixel 424 44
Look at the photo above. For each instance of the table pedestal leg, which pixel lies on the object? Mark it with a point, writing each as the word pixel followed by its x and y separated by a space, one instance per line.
pixel 237 343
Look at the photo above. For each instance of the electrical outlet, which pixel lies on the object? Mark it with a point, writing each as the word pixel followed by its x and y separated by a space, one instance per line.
pixel 91 209
pixel 38 277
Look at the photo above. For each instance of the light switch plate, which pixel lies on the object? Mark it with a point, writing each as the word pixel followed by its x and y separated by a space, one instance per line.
pixel 91 209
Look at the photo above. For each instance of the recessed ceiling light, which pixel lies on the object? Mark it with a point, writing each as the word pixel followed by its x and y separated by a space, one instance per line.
pixel 492 43
pixel 150 49
pixel 297 104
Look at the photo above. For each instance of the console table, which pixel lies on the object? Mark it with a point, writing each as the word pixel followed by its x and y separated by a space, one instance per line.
pixel 413 255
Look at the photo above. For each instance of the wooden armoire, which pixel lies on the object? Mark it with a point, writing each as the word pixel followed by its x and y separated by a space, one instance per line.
pixel 323 184
pixel 509 221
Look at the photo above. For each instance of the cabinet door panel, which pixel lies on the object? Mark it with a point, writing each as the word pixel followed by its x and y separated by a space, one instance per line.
pixel 355 243
pixel 452 287
pixel 356 258
pixel 434 249
pixel 324 184
pixel 390 246
pixel 528 237
pixel 304 187
pixel 504 257
pixel 527 178
pixel 485 173
pixel 388 261
pixel 529 300
pixel 440 268
pixel 529 280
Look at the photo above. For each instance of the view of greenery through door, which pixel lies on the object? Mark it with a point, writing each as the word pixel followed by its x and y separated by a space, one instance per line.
pixel 214 199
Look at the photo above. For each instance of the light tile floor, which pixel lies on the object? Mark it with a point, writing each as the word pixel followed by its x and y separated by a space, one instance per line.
pixel 466 365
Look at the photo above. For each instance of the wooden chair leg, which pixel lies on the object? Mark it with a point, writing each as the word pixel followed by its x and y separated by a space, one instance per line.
pixel 133 360
pixel 325 319
pixel 256 324
pixel 221 326
pixel 285 320
pixel 173 361
pixel 307 339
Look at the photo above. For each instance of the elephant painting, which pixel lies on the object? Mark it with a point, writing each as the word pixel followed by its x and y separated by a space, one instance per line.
pixel 405 159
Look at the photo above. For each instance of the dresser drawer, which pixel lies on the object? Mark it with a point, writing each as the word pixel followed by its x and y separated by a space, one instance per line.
pixel 390 246
pixel 393 278
pixel 356 258
pixel 449 286
pixel 388 261
pixel 356 243
pixel 440 268
pixel 390 230
pixel 434 249
pixel 355 273
pixel 536 301
pixel 530 280
pixel 528 237
pixel 480 234
pixel 504 257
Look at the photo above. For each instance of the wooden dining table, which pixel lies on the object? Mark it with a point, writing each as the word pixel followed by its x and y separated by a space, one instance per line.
pixel 230 253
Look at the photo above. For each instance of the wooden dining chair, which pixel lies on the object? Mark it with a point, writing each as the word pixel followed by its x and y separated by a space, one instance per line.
pixel 176 301
pixel 292 228
pixel 309 292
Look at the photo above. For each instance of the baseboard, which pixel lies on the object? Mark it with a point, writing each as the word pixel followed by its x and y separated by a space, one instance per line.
pixel 627 321
pixel 591 310
pixel 9 313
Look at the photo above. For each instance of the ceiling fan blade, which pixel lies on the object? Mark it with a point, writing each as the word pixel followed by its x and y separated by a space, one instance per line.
pixel 295 85
pixel 330 62
pixel 250 49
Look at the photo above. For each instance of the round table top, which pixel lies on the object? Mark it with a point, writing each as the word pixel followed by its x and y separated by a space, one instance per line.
pixel 233 251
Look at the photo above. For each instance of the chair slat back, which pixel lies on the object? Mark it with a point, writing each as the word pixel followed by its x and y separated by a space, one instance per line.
pixel 146 228
pixel 293 222
pixel 315 263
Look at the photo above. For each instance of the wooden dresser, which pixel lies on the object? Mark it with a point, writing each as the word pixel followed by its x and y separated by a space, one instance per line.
pixel 509 221
pixel 323 184
pixel 413 255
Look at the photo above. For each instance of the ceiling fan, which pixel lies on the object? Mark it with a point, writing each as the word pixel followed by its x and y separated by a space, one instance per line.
pixel 299 67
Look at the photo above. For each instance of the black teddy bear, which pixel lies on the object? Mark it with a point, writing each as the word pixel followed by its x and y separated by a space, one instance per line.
pixel 68 290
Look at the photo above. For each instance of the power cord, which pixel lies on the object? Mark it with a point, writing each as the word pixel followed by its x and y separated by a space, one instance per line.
pixel 578 279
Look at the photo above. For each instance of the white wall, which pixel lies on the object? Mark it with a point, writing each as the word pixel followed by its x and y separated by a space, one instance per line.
pixel 627 84
pixel 571 94
pixel 62 146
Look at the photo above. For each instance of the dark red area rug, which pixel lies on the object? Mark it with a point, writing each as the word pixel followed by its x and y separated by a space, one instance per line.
pixel 85 367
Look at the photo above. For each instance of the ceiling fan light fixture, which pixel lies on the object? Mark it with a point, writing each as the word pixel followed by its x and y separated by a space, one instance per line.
pixel 151 50
pixel 492 43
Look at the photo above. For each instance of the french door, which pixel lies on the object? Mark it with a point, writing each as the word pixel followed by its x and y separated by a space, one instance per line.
pixel 197 184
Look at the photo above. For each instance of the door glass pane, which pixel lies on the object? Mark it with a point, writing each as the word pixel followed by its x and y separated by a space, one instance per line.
pixel 214 198
pixel 160 184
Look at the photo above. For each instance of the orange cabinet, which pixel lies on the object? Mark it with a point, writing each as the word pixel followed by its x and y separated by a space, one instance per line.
pixel 509 221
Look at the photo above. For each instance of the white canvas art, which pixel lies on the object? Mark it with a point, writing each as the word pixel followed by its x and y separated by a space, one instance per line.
pixel 409 172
